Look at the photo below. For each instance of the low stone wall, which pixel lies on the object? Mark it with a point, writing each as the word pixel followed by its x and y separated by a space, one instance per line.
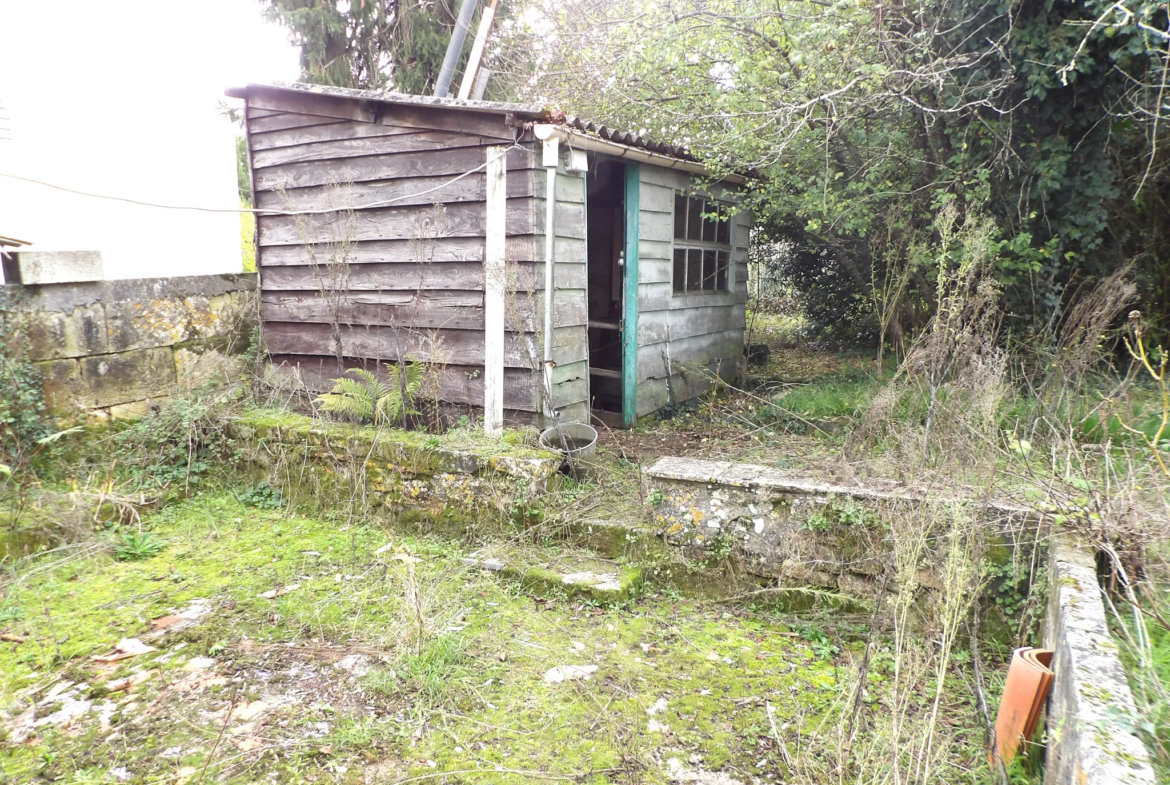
pixel 1090 703
pixel 801 531
pixel 401 471
pixel 110 348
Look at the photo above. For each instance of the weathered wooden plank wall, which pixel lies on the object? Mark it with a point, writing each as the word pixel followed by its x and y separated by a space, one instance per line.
pixel 397 265
pixel 398 262
pixel 685 338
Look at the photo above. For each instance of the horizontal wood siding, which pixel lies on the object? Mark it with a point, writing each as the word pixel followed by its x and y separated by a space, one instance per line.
pixel 387 166
pixel 395 267
pixel 426 191
pixel 459 384
pixel 522 276
pixel 439 345
pixel 684 340
pixel 465 219
pixel 430 308
pixel 447 249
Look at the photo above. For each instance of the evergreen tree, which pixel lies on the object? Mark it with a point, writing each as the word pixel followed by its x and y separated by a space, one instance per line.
pixel 368 44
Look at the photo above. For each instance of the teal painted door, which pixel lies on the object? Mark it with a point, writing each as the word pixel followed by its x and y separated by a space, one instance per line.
pixel 630 298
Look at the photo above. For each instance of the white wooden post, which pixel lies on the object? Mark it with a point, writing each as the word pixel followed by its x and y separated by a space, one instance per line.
pixel 494 286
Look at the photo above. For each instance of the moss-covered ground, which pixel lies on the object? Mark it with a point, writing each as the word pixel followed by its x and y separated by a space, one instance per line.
pixel 312 651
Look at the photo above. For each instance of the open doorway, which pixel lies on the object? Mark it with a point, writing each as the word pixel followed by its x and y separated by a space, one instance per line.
pixel 605 202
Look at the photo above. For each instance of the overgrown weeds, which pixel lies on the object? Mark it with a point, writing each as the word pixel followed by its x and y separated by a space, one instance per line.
pixel 1144 630
pixel 942 404
pixel 173 447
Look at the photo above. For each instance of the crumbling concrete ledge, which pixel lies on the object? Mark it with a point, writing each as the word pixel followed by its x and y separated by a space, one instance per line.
pixel 1090 699
pixel 752 477
pixel 797 529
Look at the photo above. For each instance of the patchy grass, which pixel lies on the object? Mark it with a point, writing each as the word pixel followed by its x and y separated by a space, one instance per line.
pixel 317 652
pixel 834 398
pixel 792 414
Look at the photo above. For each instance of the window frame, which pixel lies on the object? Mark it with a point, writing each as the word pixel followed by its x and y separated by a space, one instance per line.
pixel 701 255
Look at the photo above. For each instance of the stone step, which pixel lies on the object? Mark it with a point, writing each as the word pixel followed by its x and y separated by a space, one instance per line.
pixel 575 572
pixel 614 538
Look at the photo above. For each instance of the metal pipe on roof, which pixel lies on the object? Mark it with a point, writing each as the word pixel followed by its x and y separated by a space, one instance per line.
pixel 454 48
pixel 546 131
pixel 477 46
pixel 481 84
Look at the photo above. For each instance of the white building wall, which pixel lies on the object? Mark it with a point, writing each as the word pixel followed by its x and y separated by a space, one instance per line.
pixel 121 99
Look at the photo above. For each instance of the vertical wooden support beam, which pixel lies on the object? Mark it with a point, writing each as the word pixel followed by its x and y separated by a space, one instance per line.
pixel 550 156
pixel 630 304
pixel 494 290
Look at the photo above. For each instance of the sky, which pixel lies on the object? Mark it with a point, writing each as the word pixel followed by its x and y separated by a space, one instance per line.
pixel 121 99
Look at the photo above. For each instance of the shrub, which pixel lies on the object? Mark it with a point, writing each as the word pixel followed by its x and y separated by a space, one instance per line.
pixel 176 442
pixel 261 495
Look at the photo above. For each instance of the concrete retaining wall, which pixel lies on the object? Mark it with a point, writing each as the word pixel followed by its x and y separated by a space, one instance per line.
pixel 335 463
pixel 111 348
pixel 801 531
pixel 1090 706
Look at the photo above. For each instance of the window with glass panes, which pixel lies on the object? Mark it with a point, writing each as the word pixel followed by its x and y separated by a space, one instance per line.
pixel 702 244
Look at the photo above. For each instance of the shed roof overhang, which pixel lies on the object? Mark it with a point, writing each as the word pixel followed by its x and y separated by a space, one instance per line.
pixel 545 122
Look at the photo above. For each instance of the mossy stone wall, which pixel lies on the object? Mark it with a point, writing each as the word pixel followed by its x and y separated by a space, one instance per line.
pixel 110 349
pixel 374 468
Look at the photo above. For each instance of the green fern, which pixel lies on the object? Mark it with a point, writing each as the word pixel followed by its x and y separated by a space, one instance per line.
pixel 354 398
pixel 367 398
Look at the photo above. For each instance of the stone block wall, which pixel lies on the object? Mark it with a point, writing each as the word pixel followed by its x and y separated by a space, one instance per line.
pixel 111 348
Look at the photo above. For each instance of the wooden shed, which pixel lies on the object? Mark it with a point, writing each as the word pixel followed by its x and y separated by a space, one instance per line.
pixel 418 228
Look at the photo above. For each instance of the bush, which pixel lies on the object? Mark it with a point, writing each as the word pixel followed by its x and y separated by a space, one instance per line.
pixel 261 495
pixel 177 442
pixel 22 407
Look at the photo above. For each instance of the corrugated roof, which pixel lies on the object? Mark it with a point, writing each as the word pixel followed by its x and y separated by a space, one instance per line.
pixel 627 138
pixel 529 112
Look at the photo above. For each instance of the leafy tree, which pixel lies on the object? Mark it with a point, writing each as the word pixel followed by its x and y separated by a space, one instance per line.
pixel 243 176
pixel 865 120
